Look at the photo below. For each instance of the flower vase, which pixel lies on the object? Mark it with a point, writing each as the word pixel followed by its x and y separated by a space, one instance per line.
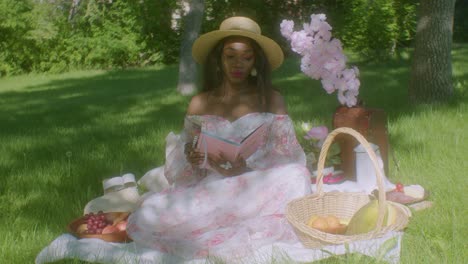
pixel 369 122
pixel 311 161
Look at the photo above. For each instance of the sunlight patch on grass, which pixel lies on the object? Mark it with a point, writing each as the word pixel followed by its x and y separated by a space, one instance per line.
pixel 63 134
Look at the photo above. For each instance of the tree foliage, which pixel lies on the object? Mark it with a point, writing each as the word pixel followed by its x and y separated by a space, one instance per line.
pixel 59 35
pixel 16 49
pixel 377 28
pixel 55 36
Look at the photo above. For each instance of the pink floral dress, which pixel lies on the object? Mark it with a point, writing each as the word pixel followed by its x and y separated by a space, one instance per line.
pixel 206 214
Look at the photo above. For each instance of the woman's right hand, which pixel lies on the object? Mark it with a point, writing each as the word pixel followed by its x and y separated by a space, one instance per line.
pixel 193 157
pixel 220 164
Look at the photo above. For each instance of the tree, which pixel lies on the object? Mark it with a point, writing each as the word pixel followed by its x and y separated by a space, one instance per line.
pixel 73 9
pixel 431 70
pixel 187 66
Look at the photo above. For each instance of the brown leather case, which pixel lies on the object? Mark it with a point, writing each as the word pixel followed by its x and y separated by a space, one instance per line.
pixel 369 122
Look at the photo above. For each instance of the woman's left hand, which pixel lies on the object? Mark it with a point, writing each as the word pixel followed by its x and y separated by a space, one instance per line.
pixel 226 168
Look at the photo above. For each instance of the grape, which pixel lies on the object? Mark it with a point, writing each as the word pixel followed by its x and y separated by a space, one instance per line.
pixel 96 222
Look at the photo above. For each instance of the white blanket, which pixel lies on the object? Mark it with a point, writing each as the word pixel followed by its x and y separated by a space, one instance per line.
pixel 66 246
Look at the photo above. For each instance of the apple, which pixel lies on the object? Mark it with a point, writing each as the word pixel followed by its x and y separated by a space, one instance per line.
pixel 109 229
pixel 122 225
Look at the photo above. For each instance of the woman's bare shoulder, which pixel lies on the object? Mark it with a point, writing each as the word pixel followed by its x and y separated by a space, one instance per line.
pixel 198 104
pixel 277 103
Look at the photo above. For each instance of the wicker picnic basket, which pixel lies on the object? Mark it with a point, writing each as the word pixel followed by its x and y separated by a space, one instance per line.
pixel 341 204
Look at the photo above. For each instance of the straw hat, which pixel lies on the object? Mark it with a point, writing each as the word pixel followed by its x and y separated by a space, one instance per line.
pixel 237 26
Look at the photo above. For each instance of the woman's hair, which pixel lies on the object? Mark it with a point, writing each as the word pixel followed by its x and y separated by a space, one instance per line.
pixel 213 72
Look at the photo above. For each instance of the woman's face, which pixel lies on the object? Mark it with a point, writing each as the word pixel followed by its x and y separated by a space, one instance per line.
pixel 238 59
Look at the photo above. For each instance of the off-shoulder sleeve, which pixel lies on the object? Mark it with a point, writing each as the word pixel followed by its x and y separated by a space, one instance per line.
pixel 281 148
pixel 178 170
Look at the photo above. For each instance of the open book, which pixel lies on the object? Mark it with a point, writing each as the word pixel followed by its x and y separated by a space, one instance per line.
pixel 215 145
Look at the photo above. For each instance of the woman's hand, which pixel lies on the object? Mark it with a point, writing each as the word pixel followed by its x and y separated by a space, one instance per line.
pixel 193 157
pixel 218 163
pixel 222 166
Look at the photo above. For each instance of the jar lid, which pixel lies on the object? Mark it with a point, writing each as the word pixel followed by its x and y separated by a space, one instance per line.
pixel 128 178
pixel 360 148
pixel 112 182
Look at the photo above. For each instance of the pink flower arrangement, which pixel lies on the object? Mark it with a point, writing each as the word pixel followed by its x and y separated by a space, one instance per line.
pixel 323 58
pixel 318 133
pixel 315 137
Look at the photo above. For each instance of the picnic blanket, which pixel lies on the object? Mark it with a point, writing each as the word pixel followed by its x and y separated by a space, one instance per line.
pixel 66 246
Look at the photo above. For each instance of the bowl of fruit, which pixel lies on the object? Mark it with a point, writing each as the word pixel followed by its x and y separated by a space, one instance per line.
pixel 109 226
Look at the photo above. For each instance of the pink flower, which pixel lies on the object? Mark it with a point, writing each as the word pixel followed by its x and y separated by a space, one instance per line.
pixel 196 233
pixel 318 133
pixel 286 28
pixel 323 58
pixel 347 97
pixel 328 85
pixel 216 240
pixel 299 41
pixel 317 20
pixel 226 219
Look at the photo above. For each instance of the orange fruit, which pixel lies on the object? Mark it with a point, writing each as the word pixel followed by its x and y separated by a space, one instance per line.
pixel 333 221
pixel 320 223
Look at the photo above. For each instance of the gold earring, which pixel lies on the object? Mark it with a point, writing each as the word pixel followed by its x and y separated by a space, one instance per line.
pixel 253 72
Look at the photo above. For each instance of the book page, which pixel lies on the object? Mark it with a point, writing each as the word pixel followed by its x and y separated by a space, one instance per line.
pixel 216 145
pixel 253 141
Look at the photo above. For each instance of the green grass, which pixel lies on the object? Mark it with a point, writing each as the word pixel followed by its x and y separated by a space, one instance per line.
pixel 62 134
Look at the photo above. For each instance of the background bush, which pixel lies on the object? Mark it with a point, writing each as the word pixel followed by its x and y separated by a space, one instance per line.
pixel 58 36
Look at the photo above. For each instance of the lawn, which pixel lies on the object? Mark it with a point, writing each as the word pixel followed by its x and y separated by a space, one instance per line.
pixel 62 134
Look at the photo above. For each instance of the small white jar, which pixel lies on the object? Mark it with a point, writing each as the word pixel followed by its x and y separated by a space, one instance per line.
pixel 113 184
pixel 129 180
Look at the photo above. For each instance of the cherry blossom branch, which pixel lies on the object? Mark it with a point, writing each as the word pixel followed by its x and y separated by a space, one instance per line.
pixel 323 58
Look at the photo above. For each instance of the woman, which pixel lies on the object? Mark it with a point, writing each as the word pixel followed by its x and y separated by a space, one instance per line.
pixel 228 211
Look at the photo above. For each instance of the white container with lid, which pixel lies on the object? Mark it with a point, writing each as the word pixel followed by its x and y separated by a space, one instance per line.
pixel 366 175
pixel 129 180
pixel 113 184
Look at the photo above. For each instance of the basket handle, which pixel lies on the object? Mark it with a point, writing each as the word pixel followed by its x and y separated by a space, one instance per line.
pixel 379 174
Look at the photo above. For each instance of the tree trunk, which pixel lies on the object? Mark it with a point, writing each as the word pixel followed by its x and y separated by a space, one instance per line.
pixel 73 9
pixel 187 66
pixel 431 71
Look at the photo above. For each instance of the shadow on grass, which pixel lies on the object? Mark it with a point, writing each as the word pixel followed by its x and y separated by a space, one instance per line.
pixel 61 135
pixel 106 116
pixel 66 133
